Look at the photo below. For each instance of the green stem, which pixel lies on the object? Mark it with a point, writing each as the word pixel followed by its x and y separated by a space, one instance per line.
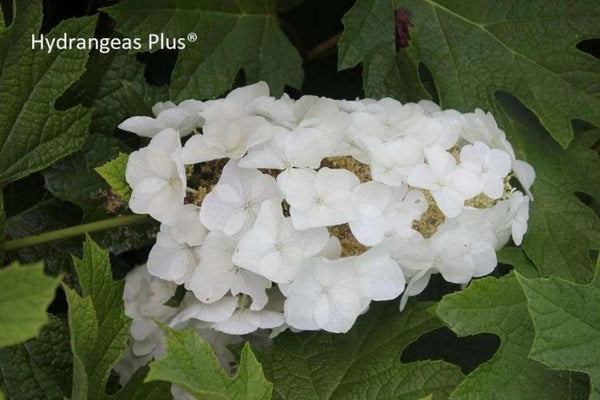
pixel 28 241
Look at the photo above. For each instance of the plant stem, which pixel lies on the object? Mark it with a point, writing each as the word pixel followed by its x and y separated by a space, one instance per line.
pixel 28 241
pixel 324 48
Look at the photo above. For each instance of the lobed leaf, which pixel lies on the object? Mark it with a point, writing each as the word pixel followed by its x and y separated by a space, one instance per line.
pixel 232 35
pixel 363 363
pixel 191 364
pixel 562 229
pixel 498 306
pixel 567 325
pixel 33 134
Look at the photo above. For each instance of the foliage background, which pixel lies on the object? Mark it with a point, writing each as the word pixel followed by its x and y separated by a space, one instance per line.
pixel 529 334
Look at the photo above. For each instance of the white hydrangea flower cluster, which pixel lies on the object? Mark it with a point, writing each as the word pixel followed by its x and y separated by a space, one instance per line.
pixel 317 207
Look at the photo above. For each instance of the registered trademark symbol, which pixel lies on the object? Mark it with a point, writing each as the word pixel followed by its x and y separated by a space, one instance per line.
pixel 192 37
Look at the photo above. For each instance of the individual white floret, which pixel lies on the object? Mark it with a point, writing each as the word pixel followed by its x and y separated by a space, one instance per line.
pixel 226 139
pixel 442 129
pixel 232 126
pixel 359 126
pixel 281 152
pixel 147 339
pixel 385 211
pixel 319 199
pixel 172 259
pixel 144 295
pixel 245 321
pixel 525 173
pixel 482 127
pixel 157 178
pixel 188 228
pixel 184 118
pixel 450 186
pixel 428 107
pixel 382 277
pixel 326 295
pixel 489 165
pixel 458 254
pixel 309 113
pixel 509 218
pixel 519 206
pixel 216 274
pixel 332 250
pixel 233 204
pixel 193 309
pixel 194 107
pixel 392 161
pixel 239 103
pixel 399 118
pixel 162 106
pixel 371 106
pixel 308 130
pixel 273 248
pixel 191 106
pixel 417 282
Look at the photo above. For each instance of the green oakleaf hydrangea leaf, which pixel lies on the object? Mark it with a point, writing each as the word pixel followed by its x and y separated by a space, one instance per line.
pixel 33 134
pixel 562 229
pixel 498 306
pixel 363 363
pixel 25 293
pixel 516 257
pixel 231 35
pixel 40 368
pixel 567 325
pixel 191 364
pixel 369 38
pixel 104 87
pixel 474 48
pixel 99 330
pixel 113 173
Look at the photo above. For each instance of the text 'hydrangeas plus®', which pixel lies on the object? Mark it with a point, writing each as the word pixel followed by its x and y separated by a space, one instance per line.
pixel 283 213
